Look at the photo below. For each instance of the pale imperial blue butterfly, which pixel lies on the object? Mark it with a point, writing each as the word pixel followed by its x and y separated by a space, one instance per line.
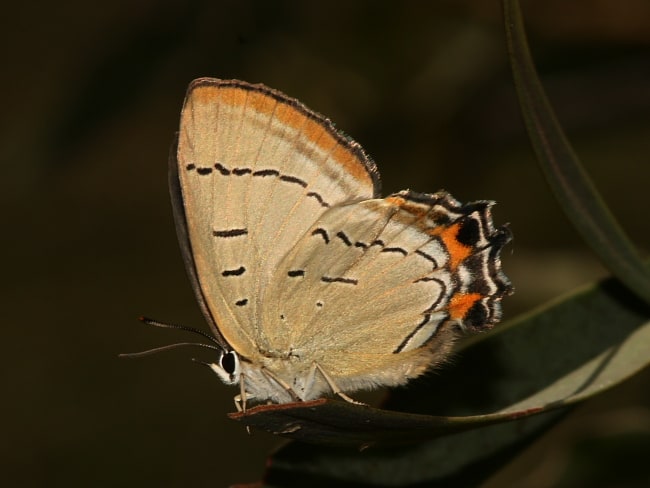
pixel 311 283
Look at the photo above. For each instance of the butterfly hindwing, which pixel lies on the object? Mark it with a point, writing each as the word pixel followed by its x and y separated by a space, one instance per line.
pixel 387 281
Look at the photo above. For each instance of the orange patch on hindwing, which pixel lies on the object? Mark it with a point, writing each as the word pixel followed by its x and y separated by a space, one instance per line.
pixel 461 303
pixel 449 237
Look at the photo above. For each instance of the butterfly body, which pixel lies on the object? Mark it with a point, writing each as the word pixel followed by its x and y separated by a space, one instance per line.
pixel 311 282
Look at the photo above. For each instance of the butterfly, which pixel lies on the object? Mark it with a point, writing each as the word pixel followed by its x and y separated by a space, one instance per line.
pixel 311 282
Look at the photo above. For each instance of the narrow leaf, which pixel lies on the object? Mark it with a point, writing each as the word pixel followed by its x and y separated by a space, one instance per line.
pixel 556 357
pixel 569 181
pixel 565 353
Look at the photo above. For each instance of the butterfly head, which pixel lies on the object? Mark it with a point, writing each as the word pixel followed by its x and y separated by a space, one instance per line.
pixel 227 367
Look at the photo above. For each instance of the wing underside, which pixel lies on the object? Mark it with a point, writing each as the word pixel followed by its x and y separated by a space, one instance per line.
pixel 382 278
pixel 255 170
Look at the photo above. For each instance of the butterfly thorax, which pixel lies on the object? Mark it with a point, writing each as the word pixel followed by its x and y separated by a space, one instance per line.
pixel 281 377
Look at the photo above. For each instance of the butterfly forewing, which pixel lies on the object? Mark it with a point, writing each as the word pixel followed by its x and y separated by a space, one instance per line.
pixel 256 170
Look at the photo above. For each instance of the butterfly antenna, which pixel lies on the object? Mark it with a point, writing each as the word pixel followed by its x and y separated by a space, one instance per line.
pixel 155 350
pixel 215 346
pixel 164 325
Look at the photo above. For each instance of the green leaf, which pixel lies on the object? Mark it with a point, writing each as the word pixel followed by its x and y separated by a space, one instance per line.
pixel 570 183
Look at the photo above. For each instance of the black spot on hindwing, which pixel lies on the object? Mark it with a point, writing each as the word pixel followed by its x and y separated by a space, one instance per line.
pixel 469 232
pixel 341 235
pixel 323 233
pixel 293 179
pixel 476 316
pixel 398 250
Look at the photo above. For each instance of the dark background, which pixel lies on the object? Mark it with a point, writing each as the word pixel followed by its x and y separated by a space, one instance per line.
pixel 91 94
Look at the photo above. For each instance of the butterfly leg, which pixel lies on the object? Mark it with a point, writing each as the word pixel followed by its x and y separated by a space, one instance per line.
pixel 240 400
pixel 335 389
pixel 283 384
pixel 240 403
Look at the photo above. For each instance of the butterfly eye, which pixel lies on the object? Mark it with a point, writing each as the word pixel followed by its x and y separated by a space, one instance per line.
pixel 230 362
pixel 227 367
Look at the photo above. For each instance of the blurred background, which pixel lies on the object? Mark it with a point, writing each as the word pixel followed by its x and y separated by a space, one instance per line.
pixel 91 95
